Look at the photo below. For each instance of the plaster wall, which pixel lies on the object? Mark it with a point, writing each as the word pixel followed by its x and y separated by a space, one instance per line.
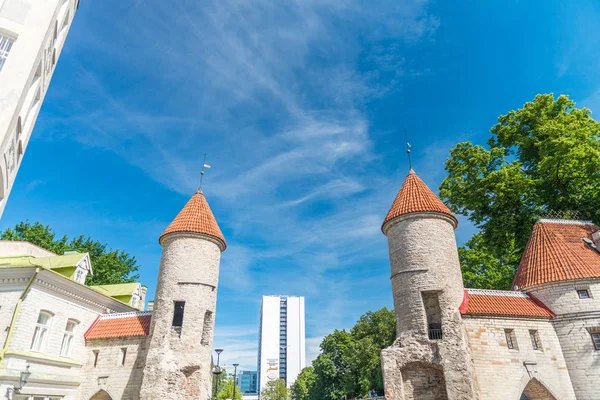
pixel 38 29
pixel 51 373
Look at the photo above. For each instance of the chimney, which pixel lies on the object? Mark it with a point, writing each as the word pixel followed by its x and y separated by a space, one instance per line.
pixel 150 305
pixel 596 238
pixel 142 303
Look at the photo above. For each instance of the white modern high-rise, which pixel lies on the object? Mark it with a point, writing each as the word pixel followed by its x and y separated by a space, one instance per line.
pixel 32 34
pixel 281 341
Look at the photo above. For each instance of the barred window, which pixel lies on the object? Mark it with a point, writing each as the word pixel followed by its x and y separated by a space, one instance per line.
pixel 511 339
pixel 535 339
pixel 6 44
pixel 596 340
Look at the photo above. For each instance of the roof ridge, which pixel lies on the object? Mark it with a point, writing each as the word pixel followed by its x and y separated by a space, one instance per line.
pixel 565 221
pixel 496 292
pixel 129 314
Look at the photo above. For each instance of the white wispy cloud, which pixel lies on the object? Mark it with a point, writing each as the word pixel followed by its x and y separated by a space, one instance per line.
pixel 275 92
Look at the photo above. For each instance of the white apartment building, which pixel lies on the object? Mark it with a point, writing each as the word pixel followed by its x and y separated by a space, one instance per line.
pixel 281 342
pixel 32 35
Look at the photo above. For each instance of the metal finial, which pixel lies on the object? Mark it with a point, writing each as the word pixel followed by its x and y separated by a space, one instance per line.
pixel 204 165
pixel 408 150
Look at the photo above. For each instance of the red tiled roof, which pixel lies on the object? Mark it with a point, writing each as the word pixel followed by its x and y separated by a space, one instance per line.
pixel 196 217
pixel 415 196
pixel 120 325
pixel 503 303
pixel 556 252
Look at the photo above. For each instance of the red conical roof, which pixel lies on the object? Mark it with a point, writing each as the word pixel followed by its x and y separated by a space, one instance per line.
pixel 196 217
pixel 415 196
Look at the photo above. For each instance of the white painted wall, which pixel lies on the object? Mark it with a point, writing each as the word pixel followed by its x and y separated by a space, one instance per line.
pixel 296 352
pixel 39 29
pixel 269 341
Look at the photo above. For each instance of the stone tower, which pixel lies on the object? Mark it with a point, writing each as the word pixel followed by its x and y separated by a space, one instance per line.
pixel 430 358
pixel 178 364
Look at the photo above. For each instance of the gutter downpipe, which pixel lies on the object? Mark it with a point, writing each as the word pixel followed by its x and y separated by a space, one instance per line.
pixel 16 314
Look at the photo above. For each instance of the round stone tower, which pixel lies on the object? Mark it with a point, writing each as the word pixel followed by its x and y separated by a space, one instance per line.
pixel 431 357
pixel 178 364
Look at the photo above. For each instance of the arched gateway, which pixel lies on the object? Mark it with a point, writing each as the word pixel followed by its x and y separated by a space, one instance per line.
pixel 101 395
pixel 535 390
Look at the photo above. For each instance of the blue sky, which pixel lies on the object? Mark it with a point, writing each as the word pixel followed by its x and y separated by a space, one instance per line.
pixel 300 105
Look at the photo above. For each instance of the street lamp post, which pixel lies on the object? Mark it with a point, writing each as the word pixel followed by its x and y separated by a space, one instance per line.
pixel 234 378
pixel 217 372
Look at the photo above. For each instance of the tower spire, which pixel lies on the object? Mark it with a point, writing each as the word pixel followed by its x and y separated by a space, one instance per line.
pixel 204 165
pixel 408 150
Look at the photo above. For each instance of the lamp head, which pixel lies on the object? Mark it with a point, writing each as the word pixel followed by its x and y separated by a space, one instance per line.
pixel 218 351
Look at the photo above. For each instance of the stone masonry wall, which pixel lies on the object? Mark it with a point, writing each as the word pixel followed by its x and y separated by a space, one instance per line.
pixel 424 260
pixel 575 318
pixel 502 373
pixel 178 364
pixel 120 381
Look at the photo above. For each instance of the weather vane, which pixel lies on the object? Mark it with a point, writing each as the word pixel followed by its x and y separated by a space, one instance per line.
pixel 408 149
pixel 204 165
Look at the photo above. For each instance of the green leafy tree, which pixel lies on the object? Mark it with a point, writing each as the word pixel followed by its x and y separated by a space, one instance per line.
pixel 349 364
pixel 543 159
pixel 226 389
pixel 275 390
pixel 304 383
pixel 110 266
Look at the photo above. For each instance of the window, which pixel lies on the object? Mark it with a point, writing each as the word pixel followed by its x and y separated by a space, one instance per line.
pixel 178 315
pixel 5 46
pixel 596 340
pixel 67 343
pixel 134 301
pixel 511 339
pixel 583 294
pixel 433 313
pixel 96 354
pixel 79 276
pixel 41 331
pixel 535 340
pixel 207 327
pixel 123 355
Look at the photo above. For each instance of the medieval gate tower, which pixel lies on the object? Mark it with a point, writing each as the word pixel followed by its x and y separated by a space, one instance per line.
pixel 178 365
pixel 430 358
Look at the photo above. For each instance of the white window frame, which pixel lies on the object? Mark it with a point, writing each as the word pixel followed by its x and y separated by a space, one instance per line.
pixel 41 332
pixel 68 337
pixel 35 397
pixel 6 44
pixel 80 275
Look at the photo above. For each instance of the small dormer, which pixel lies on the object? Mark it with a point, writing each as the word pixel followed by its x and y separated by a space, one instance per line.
pixel 133 294
pixel 72 264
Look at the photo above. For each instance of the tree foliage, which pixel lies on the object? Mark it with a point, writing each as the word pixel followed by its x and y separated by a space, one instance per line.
pixel 226 389
pixel 275 390
pixel 349 364
pixel 109 266
pixel 541 159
